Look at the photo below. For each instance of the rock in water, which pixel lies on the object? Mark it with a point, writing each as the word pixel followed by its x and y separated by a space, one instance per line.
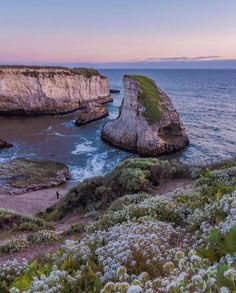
pixel 22 175
pixel 4 144
pixel 114 91
pixel 93 112
pixel 28 90
pixel 148 123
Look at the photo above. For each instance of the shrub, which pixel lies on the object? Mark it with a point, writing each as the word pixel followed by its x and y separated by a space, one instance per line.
pixel 14 246
pixel 166 170
pixel 43 236
pixel 76 229
pixel 219 245
pixel 11 220
pixel 131 176
pixel 27 226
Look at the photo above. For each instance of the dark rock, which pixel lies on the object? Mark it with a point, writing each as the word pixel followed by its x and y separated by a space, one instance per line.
pixel 4 144
pixel 93 112
pixel 114 91
pixel 22 175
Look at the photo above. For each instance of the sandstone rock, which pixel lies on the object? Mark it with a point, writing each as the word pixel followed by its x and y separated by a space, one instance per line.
pixel 148 123
pixel 93 112
pixel 114 91
pixel 22 175
pixel 49 90
pixel 4 144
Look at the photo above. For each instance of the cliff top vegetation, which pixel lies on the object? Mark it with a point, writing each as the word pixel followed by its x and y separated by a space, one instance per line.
pixel 150 97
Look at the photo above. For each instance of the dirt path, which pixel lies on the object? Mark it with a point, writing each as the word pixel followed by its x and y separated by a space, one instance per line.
pixel 173 185
pixel 35 252
pixel 66 223
pixel 33 202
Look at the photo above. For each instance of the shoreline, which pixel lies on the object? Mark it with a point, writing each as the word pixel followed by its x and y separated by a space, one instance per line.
pixel 33 202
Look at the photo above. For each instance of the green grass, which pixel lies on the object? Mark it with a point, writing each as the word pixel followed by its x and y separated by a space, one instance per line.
pixel 87 72
pixel 12 221
pixel 50 71
pixel 150 97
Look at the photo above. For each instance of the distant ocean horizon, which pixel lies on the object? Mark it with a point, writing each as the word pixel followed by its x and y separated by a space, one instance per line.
pixel 204 98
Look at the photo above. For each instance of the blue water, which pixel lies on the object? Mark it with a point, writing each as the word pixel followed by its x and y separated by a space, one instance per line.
pixel 205 99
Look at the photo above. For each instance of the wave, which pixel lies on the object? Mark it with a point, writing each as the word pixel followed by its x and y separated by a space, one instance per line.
pixel 94 167
pixel 84 148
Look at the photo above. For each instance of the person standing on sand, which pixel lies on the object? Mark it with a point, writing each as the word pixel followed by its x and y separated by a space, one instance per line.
pixel 58 195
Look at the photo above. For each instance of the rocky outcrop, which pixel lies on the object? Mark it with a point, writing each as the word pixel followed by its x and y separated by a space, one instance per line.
pixel 114 91
pixel 4 144
pixel 93 112
pixel 148 123
pixel 22 175
pixel 49 90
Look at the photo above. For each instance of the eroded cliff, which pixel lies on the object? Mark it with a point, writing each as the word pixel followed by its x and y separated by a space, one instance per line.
pixel 32 90
pixel 148 122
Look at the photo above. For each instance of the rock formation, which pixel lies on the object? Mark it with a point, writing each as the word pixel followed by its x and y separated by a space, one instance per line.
pixel 148 123
pixel 49 90
pixel 93 112
pixel 4 144
pixel 22 175
pixel 114 91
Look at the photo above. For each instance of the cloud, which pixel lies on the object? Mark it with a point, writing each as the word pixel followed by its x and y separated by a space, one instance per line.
pixel 182 58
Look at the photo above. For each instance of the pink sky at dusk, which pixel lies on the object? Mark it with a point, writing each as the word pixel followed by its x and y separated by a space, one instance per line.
pixel 85 31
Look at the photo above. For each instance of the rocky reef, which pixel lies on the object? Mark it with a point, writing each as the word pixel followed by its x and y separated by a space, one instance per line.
pixel 28 90
pixel 93 112
pixel 148 123
pixel 4 144
pixel 22 175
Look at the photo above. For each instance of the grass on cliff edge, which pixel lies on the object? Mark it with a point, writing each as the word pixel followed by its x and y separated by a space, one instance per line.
pixel 131 176
pixel 87 72
pixel 150 97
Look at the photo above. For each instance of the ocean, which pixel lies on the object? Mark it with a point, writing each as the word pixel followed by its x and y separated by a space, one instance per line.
pixel 205 100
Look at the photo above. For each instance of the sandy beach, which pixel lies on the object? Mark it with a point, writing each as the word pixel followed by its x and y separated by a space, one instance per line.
pixel 31 203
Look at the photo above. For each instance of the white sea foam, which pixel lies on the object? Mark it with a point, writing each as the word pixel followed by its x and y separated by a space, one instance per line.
pixel 95 166
pixel 49 128
pixel 84 148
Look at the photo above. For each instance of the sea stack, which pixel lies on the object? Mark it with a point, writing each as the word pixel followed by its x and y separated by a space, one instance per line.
pixel 148 122
pixel 35 90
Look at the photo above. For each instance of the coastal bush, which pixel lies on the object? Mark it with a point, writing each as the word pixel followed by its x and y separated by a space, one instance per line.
pixel 183 241
pixel 87 72
pixel 219 245
pixel 10 270
pixel 166 170
pixel 13 221
pixel 76 228
pixel 44 236
pixel 131 176
pixel 14 246
pixel 39 237
pixel 27 226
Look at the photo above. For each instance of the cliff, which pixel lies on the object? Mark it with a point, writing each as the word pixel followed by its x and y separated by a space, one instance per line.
pixel 33 90
pixel 148 122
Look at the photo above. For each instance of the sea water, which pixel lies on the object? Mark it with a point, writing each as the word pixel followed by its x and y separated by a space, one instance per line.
pixel 205 100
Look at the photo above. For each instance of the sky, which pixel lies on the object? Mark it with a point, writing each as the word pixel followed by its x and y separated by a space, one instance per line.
pixel 152 33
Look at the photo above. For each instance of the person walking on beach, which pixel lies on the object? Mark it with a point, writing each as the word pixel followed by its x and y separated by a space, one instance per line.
pixel 58 195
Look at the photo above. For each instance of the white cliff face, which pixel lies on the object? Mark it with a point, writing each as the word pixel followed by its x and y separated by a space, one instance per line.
pixel 48 90
pixel 131 130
